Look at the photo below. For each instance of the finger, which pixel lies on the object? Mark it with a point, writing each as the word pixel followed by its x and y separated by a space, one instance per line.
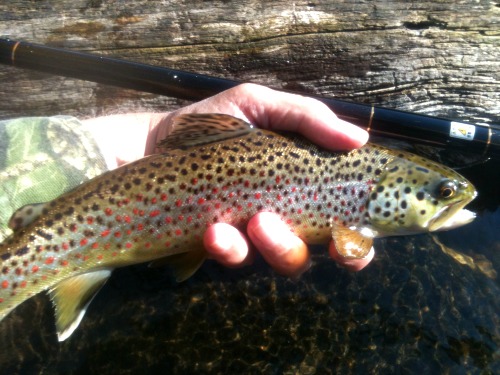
pixel 350 264
pixel 284 251
pixel 226 244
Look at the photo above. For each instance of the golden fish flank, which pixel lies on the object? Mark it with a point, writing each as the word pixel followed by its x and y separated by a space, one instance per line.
pixel 217 168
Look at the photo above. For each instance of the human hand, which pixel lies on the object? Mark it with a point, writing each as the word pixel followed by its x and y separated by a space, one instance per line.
pixel 274 110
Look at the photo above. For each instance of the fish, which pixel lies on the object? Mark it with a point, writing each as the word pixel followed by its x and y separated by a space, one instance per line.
pixel 217 168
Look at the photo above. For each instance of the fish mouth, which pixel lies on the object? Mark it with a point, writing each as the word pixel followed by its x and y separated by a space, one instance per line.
pixel 451 216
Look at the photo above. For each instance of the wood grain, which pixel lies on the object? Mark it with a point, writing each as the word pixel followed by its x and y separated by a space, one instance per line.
pixel 434 57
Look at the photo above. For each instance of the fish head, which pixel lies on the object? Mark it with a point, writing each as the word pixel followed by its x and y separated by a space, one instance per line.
pixel 416 195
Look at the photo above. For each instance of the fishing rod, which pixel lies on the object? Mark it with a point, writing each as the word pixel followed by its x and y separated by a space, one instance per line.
pixel 482 139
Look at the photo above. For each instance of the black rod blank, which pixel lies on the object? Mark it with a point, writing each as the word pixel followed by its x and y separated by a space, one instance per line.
pixel 483 139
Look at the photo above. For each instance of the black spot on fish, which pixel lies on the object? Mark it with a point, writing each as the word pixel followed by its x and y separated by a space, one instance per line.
pixel 5 256
pixel 420 195
pixel 43 234
pixel 403 204
pixel 407 190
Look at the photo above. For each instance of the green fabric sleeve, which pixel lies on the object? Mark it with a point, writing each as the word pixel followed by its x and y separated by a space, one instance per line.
pixel 41 158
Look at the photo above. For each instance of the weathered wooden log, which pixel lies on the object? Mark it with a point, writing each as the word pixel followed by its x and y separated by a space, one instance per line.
pixel 435 58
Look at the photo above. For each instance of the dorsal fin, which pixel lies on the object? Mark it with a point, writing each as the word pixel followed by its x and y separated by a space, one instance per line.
pixel 25 215
pixel 71 298
pixel 202 128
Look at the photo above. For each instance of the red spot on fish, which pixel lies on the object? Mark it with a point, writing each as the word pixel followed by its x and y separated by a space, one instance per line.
pixel 279 197
pixel 217 205
pixel 99 257
pixel 86 257
pixel 23 284
pixel 118 234
pixel 289 221
pixel 95 245
pixel 154 213
pixel 153 200
pixel 168 220
pixel 1 300
pixel 83 242
pixel 262 173
pixel 164 197
pixel 335 218
pixel 49 260
pixel 249 204
pixel 201 201
pixel 147 245
pixel 246 183
pixel 118 218
pixel 294 189
pixel 194 181
pixel 189 219
pixel 114 253
pixel 258 195
pixel 65 246
pixel 180 217
pixel 178 203
pixel 127 219
pixel 108 211
pixel 90 220
pixel 139 198
pixel 73 227
pixel 19 271
pixel 140 227
pixel 347 212
pixel 315 198
pixel 278 179
pixel 105 233
pixel 178 232
pixel 167 244
pixel 64 263
pixel 231 194
pixel 35 269
pixel 128 245
pixel 199 216
pixel 5 284
pixel 239 208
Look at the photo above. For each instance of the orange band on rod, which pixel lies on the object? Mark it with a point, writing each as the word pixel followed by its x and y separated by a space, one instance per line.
pixel 371 119
pixel 13 55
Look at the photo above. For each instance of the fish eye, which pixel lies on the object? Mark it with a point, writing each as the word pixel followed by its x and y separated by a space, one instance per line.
pixel 447 189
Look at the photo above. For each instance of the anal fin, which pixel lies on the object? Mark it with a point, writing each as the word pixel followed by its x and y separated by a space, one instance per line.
pixel 71 298
pixel 350 243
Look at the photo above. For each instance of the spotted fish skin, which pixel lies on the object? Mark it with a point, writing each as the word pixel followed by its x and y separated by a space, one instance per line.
pixel 162 204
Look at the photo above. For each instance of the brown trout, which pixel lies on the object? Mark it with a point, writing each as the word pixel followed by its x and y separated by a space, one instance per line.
pixel 217 168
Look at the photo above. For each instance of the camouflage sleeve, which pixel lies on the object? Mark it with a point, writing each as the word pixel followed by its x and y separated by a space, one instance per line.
pixel 41 158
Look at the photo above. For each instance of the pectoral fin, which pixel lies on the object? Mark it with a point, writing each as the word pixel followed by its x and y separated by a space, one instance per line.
pixel 71 298
pixel 350 243
pixel 184 265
